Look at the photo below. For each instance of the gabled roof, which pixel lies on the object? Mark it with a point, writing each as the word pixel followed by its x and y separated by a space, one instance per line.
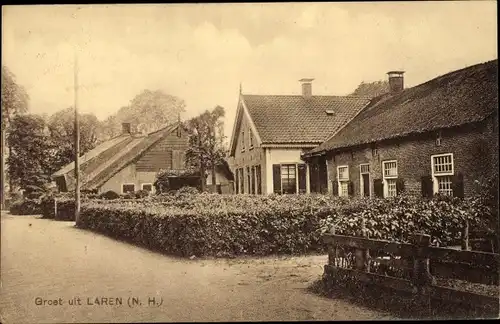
pixel 107 159
pixel 295 119
pixel 460 97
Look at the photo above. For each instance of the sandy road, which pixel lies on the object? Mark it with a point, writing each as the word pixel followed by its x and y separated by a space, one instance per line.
pixel 52 260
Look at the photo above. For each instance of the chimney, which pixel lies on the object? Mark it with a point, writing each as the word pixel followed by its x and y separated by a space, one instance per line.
pixel 126 128
pixel 306 87
pixel 396 81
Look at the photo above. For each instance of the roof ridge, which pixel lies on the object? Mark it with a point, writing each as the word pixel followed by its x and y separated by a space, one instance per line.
pixel 299 95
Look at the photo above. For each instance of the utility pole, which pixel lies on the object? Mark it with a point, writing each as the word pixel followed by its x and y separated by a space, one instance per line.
pixel 77 146
pixel 2 163
pixel 202 166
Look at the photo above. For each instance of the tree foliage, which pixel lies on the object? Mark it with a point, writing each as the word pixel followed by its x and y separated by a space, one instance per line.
pixel 14 97
pixel 31 152
pixel 61 126
pixel 206 142
pixel 148 111
pixel 371 89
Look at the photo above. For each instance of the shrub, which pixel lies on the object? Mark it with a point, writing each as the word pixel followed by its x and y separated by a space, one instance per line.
pixel 109 195
pixel 186 190
pixel 227 225
pixel 128 195
pixel 65 207
pixel 25 206
pixel 141 194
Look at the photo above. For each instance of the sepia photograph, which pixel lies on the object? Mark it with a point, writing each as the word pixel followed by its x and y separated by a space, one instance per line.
pixel 228 162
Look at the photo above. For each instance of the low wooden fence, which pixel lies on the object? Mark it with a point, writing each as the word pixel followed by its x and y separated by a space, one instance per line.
pixel 414 268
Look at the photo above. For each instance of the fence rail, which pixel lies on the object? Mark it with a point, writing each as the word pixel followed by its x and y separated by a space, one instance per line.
pixel 412 268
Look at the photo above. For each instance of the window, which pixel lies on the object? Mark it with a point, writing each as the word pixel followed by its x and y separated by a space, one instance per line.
pixel 242 181
pixel 250 137
pixel 253 180
pixel 343 180
pixel 288 178
pixel 242 141
pixel 249 181
pixel 390 174
pixel 442 172
pixel 258 179
pixel 147 187
pixel 364 171
pixel 128 187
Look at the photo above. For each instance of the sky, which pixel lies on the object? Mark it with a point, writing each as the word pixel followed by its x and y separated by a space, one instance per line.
pixel 203 52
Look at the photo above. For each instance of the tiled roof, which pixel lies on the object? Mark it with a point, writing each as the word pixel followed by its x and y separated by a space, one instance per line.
pixel 104 161
pixel 295 119
pixel 457 98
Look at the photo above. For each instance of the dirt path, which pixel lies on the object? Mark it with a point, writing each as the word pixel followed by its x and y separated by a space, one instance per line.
pixel 53 260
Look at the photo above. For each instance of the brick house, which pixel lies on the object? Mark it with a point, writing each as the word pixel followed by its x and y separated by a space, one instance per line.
pixel 272 131
pixel 128 162
pixel 438 137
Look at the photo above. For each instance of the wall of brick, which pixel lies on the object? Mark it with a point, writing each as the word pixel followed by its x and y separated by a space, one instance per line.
pixel 248 157
pixel 474 148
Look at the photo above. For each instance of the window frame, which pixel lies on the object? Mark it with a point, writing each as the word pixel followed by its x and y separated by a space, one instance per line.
pixel 147 183
pixel 435 177
pixel 361 183
pixel 343 180
pixel 288 178
pixel 391 178
pixel 127 184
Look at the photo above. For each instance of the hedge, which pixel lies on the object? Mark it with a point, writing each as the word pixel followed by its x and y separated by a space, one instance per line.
pixel 65 209
pixel 229 225
pixel 25 207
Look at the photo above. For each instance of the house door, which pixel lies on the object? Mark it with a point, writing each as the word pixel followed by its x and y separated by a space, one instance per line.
pixel 366 185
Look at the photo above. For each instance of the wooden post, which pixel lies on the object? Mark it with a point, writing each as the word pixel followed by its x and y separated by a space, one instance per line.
pixel 465 235
pixel 2 164
pixel 332 250
pixel 55 208
pixel 422 278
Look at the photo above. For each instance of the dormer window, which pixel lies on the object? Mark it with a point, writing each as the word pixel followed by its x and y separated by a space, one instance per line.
pixel 329 112
pixel 250 137
pixel 438 138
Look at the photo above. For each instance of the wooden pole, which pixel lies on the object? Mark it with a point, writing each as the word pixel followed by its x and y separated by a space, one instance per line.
pixel 2 165
pixel 77 147
pixel 465 235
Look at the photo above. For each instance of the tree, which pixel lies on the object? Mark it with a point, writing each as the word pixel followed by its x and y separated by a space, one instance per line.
pixel 206 143
pixel 371 89
pixel 14 101
pixel 61 127
pixel 151 109
pixel 31 152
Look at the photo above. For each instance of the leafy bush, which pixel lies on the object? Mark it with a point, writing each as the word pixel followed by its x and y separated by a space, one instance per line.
pixel 65 207
pixel 109 195
pixel 186 190
pixel 228 225
pixel 128 195
pixel 25 206
pixel 141 194
pixel 167 180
